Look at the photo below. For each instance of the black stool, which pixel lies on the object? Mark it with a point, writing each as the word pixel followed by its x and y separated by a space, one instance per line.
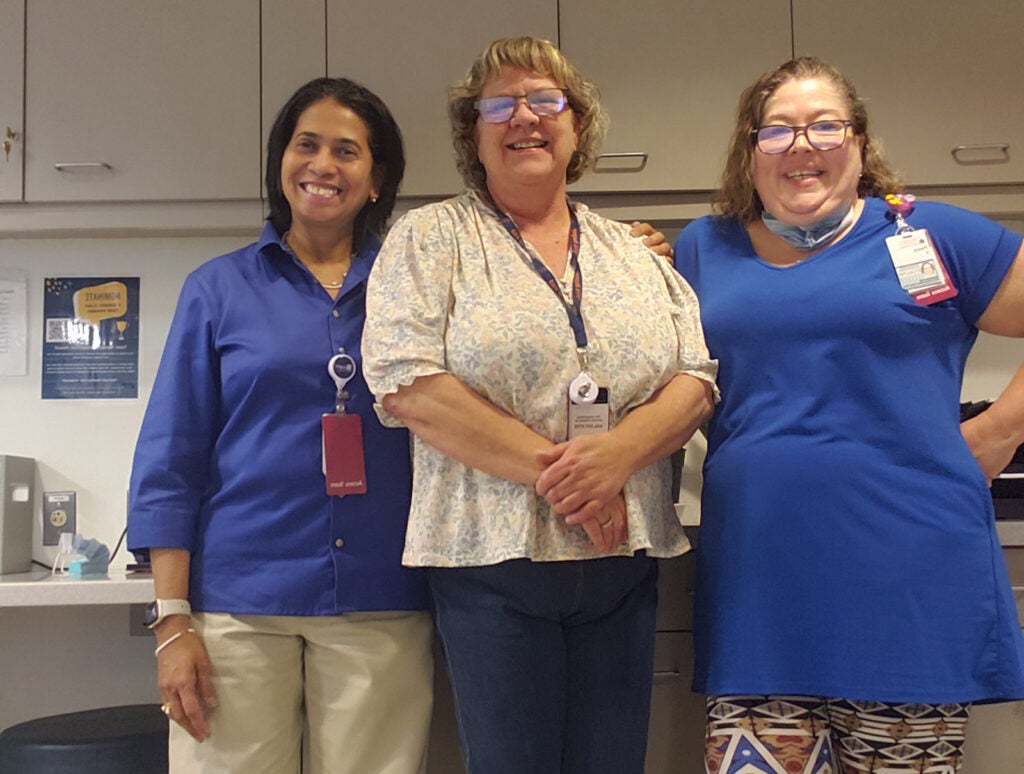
pixel 100 741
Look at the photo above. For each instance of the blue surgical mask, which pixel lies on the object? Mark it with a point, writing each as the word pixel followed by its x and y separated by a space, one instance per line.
pixel 815 235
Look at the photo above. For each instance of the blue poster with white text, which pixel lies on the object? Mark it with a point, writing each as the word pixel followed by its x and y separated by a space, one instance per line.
pixel 91 337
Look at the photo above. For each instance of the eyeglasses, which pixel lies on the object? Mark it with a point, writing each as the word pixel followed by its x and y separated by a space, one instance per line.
pixel 543 102
pixel 822 135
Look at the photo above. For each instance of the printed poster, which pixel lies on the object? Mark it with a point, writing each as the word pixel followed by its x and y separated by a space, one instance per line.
pixel 13 324
pixel 90 337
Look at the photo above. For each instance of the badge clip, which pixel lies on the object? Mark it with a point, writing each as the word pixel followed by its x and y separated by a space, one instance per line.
pixel 341 369
pixel 900 205
pixel 583 389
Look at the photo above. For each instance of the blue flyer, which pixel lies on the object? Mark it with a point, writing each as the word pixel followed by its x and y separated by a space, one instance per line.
pixel 90 337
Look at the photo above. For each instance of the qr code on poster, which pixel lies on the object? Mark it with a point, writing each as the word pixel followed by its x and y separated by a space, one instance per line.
pixel 66 330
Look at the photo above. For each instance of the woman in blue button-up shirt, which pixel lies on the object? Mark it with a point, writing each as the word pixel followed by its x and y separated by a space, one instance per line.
pixel 302 615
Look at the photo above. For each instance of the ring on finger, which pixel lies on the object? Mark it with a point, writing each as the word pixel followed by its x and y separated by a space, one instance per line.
pixel 607 524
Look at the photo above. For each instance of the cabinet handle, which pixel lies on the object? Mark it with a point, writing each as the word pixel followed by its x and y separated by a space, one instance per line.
pixel 9 135
pixel 65 166
pixel 637 156
pixel 1003 156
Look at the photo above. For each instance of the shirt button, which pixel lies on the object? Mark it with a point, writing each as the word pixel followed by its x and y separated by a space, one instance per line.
pixel 336 313
pixel 339 543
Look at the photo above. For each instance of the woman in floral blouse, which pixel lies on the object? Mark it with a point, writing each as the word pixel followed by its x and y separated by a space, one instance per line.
pixel 547 363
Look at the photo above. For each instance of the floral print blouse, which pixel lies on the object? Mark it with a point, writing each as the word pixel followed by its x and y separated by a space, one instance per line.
pixel 452 292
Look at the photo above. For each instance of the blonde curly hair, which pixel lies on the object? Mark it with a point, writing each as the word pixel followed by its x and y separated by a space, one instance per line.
pixel 540 57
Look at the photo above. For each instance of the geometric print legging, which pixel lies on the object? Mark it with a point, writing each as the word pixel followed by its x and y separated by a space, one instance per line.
pixel 812 735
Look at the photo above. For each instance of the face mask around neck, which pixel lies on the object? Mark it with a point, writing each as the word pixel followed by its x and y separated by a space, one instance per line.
pixel 815 235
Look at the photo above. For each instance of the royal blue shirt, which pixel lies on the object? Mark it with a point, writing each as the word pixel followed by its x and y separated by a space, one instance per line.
pixel 847 542
pixel 229 459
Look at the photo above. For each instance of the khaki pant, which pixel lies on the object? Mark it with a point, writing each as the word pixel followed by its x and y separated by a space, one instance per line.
pixel 347 694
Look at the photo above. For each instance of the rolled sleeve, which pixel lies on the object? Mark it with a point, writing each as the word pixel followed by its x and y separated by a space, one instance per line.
pixel 693 356
pixel 407 304
pixel 170 470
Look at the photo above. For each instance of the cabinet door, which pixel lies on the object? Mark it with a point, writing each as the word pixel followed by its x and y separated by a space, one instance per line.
pixel 142 99
pixel 409 53
pixel 292 54
pixel 675 741
pixel 943 85
pixel 670 76
pixel 11 72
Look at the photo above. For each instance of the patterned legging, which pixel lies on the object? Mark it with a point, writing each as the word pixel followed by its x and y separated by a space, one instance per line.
pixel 814 735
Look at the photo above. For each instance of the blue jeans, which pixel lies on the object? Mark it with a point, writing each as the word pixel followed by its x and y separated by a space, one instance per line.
pixel 551 663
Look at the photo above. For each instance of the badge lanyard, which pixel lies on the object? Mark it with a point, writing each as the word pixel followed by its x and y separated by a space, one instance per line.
pixel 582 389
pixel 344 464
pixel 919 267
pixel 588 409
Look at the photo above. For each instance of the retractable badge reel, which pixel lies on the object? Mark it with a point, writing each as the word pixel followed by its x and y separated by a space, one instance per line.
pixel 919 267
pixel 344 463
pixel 588 406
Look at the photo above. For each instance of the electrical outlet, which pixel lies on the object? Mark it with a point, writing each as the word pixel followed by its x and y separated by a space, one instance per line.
pixel 59 515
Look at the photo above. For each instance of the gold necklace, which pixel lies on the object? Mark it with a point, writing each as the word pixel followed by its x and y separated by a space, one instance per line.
pixel 328 285
pixel 334 285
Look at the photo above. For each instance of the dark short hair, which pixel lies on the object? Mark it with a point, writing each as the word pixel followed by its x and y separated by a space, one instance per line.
pixel 736 197
pixel 537 56
pixel 385 146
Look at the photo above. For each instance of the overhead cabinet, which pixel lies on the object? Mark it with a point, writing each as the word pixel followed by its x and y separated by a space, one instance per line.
pixel 409 53
pixel 141 100
pixel 11 118
pixel 942 81
pixel 670 76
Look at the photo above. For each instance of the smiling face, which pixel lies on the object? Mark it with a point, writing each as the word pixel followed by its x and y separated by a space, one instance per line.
pixel 527 149
pixel 804 185
pixel 327 168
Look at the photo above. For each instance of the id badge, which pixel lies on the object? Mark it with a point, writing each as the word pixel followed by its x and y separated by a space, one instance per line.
pixel 587 418
pixel 343 461
pixel 919 268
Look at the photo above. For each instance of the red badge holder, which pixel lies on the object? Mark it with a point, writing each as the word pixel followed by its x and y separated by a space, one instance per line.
pixel 344 462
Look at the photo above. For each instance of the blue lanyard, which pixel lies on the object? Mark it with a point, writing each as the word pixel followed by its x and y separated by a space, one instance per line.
pixel 572 308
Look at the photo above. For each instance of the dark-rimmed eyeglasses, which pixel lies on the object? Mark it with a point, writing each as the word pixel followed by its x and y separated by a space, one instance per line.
pixel 543 102
pixel 821 135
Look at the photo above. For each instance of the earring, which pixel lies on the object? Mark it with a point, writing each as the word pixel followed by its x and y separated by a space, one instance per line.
pixel 373 199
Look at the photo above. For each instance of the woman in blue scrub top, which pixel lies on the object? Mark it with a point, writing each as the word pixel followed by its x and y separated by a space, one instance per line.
pixel 852 597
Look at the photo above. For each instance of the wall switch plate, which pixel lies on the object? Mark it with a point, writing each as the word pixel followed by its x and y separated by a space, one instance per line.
pixel 59 515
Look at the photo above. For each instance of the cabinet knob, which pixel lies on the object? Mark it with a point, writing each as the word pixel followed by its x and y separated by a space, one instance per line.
pixel 9 135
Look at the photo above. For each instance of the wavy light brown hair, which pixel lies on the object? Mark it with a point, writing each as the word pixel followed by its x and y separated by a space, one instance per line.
pixel 542 58
pixel 737 197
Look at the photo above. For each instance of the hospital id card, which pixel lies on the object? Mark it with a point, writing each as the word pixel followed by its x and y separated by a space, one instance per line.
pixel 343 460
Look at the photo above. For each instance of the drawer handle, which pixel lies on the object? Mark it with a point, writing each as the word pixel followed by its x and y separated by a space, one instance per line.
pixel 67 166
pixel 665 676
pixel 963 154
pixel 638 157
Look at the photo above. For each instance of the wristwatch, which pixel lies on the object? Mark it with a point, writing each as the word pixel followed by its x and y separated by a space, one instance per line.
pixel 159 609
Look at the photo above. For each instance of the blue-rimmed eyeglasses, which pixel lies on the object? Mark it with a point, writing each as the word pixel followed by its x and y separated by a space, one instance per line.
pixel 822 135
pixel 543 102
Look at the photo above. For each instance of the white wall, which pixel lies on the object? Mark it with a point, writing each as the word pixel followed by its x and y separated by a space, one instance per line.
pixel 86 445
